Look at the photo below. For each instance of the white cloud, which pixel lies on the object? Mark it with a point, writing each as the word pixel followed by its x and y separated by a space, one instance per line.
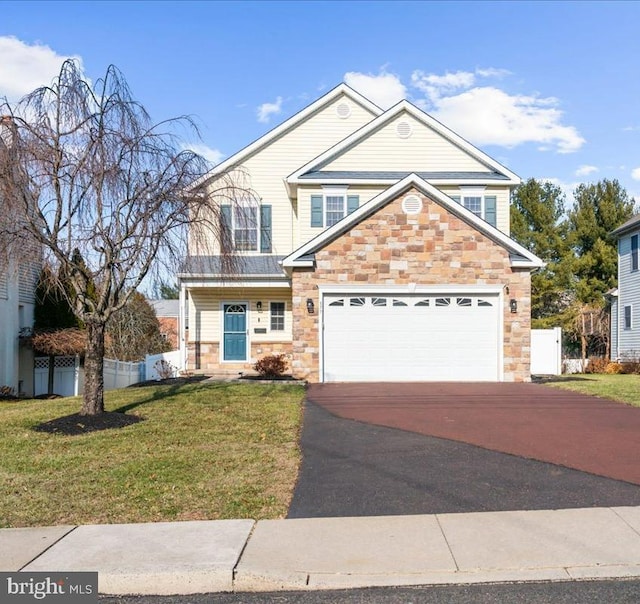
pixel 384 89
pixel 586 170
pixel 25 67
pixel 266 110
pixel 487 115
pixel 635 174
pixel 211 155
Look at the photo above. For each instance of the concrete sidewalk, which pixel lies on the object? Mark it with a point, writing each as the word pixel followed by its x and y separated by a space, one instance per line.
pixel 323 553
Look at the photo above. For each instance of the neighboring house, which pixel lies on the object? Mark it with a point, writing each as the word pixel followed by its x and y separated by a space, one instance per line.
pixel 18 277
pixel 168 312
pixel 625 300
pixel 375 247
pixel 17 297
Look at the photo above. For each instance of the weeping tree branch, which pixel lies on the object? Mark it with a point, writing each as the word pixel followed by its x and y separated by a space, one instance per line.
pixel 109 198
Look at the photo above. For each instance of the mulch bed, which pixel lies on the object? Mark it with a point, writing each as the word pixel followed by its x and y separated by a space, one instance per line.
pixel 73 425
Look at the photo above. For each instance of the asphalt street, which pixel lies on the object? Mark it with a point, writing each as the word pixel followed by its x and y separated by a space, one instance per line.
pixel 586 592
pixel 351 468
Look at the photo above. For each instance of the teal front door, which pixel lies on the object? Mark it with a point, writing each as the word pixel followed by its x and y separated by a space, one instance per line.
pixel 235 332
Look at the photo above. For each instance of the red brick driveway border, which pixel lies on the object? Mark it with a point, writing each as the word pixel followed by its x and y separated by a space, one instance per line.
pixel 529 420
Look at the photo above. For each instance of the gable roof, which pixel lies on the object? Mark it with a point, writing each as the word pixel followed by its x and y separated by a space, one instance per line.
pixel 520 256
pixel 287 125
pixel 495 170
pixel 632 224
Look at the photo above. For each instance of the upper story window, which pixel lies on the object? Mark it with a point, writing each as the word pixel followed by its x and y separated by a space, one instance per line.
pixel 627 317
pixel 634 253
pixel 332 206
pixel 246 226
pixel 475 200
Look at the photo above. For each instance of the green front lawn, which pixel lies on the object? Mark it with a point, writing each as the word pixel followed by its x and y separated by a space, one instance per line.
pixel 204 451
pixel 623 388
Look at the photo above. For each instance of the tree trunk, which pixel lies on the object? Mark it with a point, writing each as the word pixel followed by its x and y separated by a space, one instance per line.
pixel 93 402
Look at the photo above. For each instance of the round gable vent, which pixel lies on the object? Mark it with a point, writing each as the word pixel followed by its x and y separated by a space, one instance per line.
pixel 343 110
pixel 411 204
pixel 403 129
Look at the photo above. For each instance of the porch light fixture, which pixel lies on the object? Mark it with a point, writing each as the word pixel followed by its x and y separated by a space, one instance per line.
pixel 310 306
pixel 259 306
pixel 513 305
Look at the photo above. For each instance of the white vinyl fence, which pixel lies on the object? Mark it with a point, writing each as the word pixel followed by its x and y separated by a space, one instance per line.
pixel 68 375
pixel 161 366
pixel 546 351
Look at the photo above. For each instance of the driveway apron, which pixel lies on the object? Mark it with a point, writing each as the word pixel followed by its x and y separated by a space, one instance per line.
pixel 530 420
pixel 411 453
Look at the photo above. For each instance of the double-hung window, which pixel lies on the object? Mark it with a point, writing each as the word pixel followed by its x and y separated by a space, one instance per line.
pixel 334 209
pixel 332 206
pixel 277 316
pixel 477 202
pixel 246 227
pixel 627 317
pixel 634 253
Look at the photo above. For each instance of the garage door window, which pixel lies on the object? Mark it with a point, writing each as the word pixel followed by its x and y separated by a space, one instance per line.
pixel 337 303
pixel 463 301
pixel 443 301
pixel 356 302
pixel 399 303
pixel 379 301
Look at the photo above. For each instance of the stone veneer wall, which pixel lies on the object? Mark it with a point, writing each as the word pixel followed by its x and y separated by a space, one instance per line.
pixel 204 357
pixel 430 248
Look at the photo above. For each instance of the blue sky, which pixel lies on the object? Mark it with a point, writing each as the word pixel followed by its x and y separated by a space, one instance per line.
pixel 550 89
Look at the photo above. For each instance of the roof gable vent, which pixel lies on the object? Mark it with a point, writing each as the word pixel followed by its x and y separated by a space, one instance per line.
pixel 403 129
pixel 343 110
pixel 411 204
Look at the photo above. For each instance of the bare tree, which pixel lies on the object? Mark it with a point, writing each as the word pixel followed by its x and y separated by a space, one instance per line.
pixel 107 196
pixel 134 331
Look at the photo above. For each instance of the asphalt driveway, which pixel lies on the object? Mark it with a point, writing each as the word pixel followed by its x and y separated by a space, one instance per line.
pixel 378 449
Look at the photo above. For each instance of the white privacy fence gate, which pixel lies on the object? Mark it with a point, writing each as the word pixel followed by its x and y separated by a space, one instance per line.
pixel 546 351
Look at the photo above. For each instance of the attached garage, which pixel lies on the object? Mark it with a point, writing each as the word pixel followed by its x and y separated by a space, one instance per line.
pixel 440 336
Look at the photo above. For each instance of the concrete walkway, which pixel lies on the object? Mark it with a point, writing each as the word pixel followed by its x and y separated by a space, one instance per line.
pixel 323 553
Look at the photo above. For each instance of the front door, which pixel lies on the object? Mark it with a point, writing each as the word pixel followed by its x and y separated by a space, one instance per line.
pixel 235 332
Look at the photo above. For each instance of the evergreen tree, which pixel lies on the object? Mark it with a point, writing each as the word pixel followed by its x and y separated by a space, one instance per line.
pixel 599 208
pixel 538 223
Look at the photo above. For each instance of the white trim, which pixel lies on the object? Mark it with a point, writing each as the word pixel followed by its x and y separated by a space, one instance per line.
pixel 386 117
pixel 282 283
pixel 388 181
pixel 247 352
pixel 412 288
pixel 413 180
pixel 292 122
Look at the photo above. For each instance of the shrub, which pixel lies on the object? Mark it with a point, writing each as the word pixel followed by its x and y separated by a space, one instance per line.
pixel 164 369
pixel 630 363
pixel 597 365
pixel 273 365
pixel 614 368
pixel 7 393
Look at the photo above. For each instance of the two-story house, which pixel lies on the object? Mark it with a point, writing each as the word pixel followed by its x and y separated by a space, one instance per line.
pixel 18 276
pixel 375 247
pixel 625 300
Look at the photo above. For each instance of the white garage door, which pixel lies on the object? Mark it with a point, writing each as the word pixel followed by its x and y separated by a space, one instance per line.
pixel 410 337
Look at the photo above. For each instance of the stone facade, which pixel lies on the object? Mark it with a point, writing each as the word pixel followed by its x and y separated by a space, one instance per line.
pixel 434 247
pixel 204 357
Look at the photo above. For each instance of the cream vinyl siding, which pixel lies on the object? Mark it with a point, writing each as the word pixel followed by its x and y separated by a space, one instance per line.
pixel 264 172
pixel 205 314
pixel 503 200
pixel 306 231
pixel 423 151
